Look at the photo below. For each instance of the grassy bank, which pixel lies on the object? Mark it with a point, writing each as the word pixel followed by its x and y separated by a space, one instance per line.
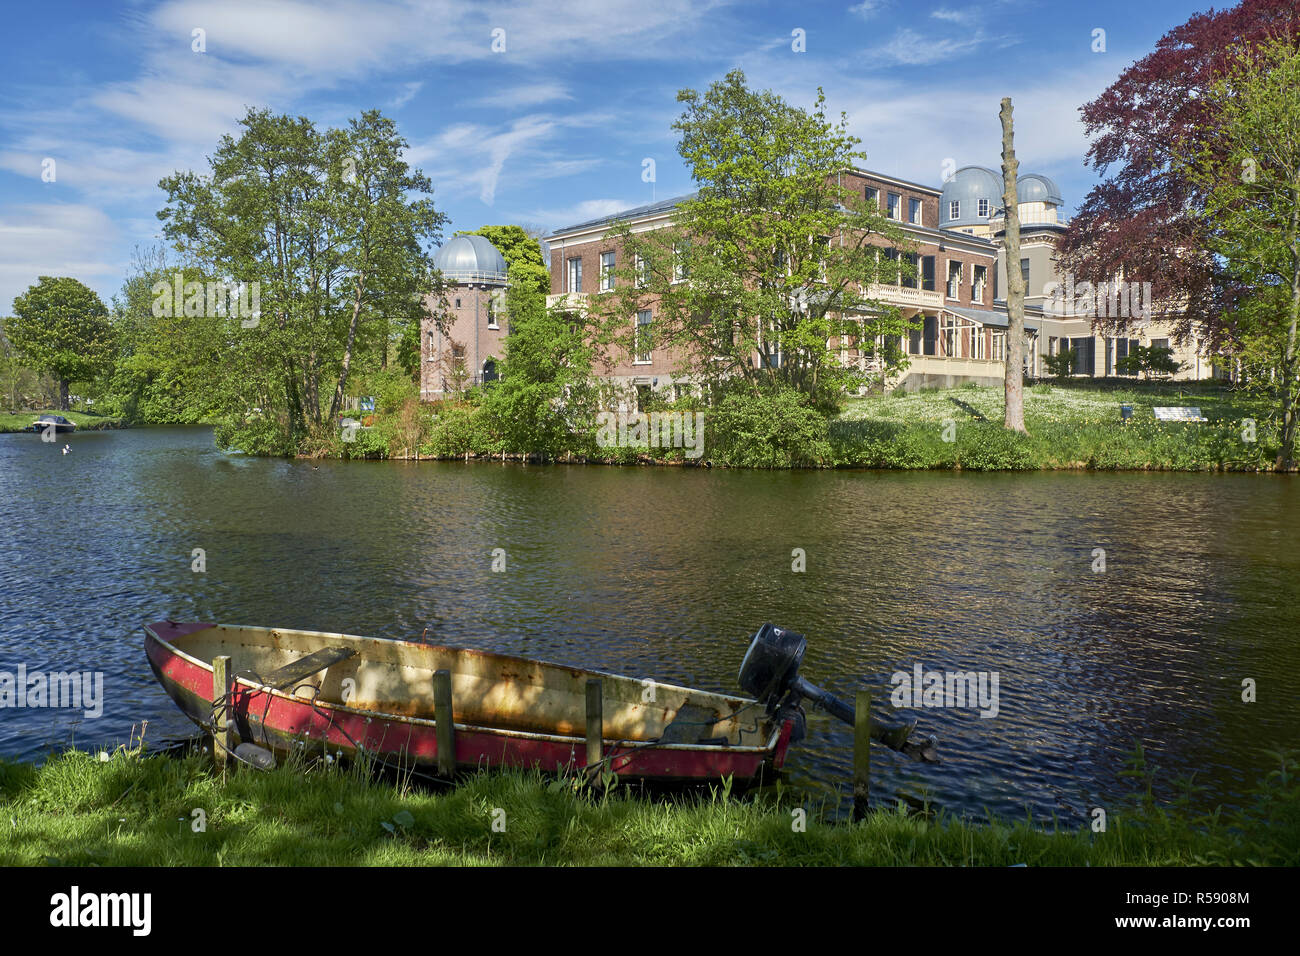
pixel 79 809
pixel 85 421
pixel 1071 425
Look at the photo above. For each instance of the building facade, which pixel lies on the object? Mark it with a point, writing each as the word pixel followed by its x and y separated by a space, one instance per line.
pixel 957 300
pixel 465 353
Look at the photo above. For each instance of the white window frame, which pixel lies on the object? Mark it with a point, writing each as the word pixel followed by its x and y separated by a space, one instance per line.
pixel 915 210
pixel 961 278
pixel 977 284
pixel 895 201
pixel 639 357
pixel 982 208
pixel 574 264
pixel 954 209
pixel 607 271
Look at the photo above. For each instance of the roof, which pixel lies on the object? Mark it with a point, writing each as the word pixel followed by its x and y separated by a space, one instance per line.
pixel 470 259
pixel 636 212
pixel 988 317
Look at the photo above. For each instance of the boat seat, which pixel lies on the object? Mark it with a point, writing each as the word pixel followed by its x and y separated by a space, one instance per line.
pixel 282 678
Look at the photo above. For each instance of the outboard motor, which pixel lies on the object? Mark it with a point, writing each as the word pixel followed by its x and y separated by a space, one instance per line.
pixel 770 673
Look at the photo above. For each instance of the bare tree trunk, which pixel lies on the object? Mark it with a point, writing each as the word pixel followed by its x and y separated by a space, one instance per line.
pixel 347 351
pixel 1286 455
pixel 1014 399
pixel 63 394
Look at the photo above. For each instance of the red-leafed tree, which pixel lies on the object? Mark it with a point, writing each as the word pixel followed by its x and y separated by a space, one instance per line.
pixel 1142 220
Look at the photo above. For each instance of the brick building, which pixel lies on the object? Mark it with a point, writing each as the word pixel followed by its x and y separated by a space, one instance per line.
pixel 958 298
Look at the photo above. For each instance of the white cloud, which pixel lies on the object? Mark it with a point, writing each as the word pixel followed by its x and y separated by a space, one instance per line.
pixel 528 94
pixel 582 212
pixel 867 8
pixel 910 48
pixel 408 93
pixel 55 239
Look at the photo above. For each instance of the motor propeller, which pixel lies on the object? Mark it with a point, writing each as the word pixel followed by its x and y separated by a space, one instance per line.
pixel 770 673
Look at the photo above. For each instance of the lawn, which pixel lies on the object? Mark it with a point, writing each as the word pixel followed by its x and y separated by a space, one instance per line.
pixel 85 421
pixel 1070 425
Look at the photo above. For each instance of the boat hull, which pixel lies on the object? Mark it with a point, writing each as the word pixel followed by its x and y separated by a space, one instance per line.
pixel 293 722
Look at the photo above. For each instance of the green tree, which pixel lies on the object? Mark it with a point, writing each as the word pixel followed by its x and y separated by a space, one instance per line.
pixel 544 402
pixel 60 326
pixel 771 260
pixel 1148 360
pixel 523 255
pixel 1060 365
pixel 1251 172
pixel 334 233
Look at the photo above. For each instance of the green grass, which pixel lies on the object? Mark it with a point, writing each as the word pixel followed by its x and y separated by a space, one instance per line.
pixel 21 421
pixel 1074 425
pixel 129 809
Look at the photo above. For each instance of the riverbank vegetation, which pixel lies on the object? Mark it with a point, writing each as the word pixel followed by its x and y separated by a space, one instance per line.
pixel 128 809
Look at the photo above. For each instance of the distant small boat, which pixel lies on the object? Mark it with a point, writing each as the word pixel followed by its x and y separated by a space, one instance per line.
pixel 337 693
pixel 60 424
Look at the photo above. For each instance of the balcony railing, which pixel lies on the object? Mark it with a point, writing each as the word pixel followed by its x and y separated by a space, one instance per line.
pixel 571 301
pixel 904 295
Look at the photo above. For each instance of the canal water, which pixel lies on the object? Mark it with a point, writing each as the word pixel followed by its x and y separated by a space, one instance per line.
pixel 666 572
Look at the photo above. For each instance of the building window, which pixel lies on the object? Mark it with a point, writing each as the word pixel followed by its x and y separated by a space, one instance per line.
pixel 1024 272
pixel 895 206
pixel 954 279
pixel 999 346
pixel 954 209
pixel 641 345
pixel 983 208
pixel 642 272
pixel 889 273
pixel 977 342
pixel 911 281
pixel 680 270
pixel 458 303
pixel 606 271
pixel 492 322
pixel 914 211
pixel 872 196
pixel 979 279
pixel 927 273
pixel 575 275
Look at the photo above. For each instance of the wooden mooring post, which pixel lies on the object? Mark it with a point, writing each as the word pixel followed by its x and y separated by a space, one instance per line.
pixel 595 723
pixel 861 754
pixel 444 724
pixel 222 734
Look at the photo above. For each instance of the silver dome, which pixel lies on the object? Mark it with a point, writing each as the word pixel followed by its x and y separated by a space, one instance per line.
pixel 471 259
pixel 968 186
pixel 1033 187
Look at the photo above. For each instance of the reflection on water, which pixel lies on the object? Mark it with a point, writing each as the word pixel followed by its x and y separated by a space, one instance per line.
pixel 666 572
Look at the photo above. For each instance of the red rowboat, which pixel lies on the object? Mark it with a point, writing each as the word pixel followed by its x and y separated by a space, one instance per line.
pixel 311 692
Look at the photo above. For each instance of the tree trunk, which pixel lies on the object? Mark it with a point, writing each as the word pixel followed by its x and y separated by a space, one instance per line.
pixel 63 395
pixel 347 351
pixel 1286 454
pixel 1014 392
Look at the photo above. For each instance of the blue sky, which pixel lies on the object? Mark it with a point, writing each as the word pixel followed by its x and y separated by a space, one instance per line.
pixel 550 131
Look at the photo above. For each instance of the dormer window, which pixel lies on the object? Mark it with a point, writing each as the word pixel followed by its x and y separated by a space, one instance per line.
pixel 954 209
pixel 984 208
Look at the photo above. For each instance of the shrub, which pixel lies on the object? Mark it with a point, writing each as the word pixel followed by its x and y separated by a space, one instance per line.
pixel 777 429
